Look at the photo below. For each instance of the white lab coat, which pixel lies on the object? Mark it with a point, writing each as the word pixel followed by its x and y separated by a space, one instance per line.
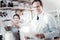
pixel 9 36
pixel 46 25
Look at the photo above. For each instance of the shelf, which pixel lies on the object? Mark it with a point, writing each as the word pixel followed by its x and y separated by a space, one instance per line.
pixel 25 1
pixel 14 8
pixel 10 8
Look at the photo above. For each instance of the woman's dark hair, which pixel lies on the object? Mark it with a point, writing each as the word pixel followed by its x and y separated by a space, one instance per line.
pixel 16 15
pixel 38 1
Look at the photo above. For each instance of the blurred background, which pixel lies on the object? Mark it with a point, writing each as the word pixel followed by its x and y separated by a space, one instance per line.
pixel 9 7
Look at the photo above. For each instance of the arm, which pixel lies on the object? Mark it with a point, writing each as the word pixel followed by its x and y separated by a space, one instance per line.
pixel 52 27
pixel 50 31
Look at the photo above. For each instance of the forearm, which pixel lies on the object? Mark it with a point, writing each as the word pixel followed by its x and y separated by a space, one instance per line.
pixel 51 34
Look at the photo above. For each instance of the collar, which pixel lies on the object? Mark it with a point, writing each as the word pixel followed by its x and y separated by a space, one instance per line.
pixel 42 13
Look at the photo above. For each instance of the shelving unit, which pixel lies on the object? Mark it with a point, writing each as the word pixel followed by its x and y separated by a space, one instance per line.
pixel 14 8
pixel 10 9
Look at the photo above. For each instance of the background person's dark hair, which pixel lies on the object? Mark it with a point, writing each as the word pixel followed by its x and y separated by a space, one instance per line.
pixel 16 15
pixel 17 11
pixel 38 1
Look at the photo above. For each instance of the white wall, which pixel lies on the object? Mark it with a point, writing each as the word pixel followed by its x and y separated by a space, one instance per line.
pixel 51 4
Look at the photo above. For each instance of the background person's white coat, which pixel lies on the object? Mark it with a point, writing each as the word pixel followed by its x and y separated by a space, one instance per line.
pixel 9 36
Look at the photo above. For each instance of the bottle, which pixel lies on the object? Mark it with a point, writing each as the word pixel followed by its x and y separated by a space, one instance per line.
pixel 10 4
pixel 3 4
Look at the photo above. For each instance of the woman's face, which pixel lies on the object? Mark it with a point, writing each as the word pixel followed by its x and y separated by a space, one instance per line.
pixel 15 19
